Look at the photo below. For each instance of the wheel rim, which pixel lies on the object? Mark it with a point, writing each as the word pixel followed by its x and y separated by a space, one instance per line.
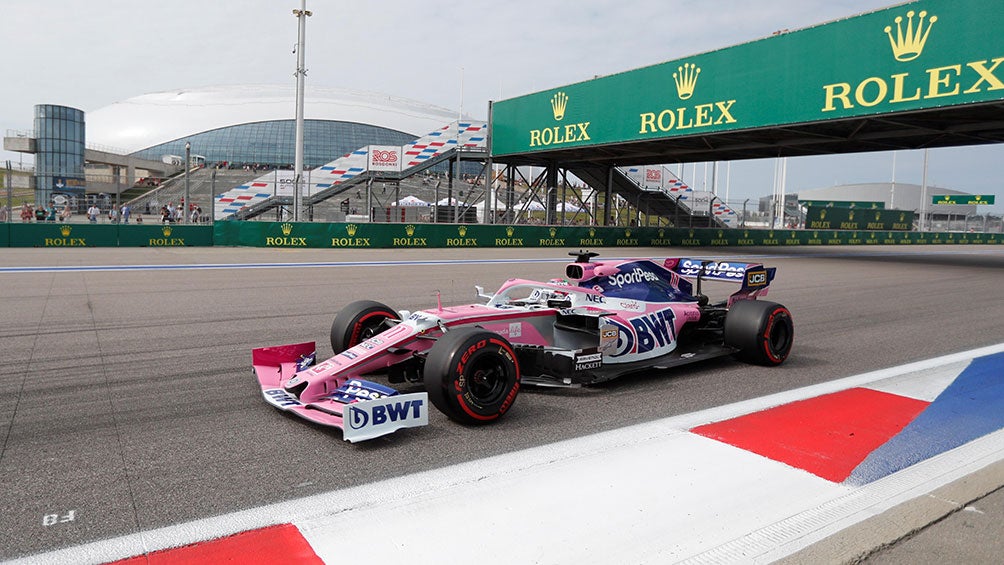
pixel 487 381
pixel 779 336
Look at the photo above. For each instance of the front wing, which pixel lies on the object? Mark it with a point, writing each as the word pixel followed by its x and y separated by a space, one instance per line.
pixel 361 409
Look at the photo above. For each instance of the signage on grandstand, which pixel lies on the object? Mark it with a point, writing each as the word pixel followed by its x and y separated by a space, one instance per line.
pixel 384 158
pixel 910 57
pixel 964 199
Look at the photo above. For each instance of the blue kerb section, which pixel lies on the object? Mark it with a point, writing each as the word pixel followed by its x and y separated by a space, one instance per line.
pixel 971 407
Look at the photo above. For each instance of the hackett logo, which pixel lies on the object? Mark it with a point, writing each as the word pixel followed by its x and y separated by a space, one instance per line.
pixel 946 81
pixel 558 135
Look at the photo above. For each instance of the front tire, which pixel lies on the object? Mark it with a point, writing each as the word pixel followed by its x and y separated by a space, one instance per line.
pixel 358 322
pixel 763 332
pixel 472 375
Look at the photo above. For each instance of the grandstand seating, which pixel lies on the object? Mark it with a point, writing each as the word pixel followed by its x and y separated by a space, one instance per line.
pixel 275 188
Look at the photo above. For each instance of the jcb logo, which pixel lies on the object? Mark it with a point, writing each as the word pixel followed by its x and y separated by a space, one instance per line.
pixel 756 278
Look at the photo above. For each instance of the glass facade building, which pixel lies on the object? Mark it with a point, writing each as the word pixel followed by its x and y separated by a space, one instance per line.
pixel 271 143
pixel 59 157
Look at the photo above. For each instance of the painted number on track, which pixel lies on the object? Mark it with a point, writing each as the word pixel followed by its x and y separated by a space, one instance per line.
pixel 53 519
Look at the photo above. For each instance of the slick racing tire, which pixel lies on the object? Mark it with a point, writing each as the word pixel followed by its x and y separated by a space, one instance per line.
pixel 358 322
pixel 762 331
pixel 472 375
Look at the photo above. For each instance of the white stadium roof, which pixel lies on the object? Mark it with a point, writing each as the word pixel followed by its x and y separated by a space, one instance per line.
pixel 152 119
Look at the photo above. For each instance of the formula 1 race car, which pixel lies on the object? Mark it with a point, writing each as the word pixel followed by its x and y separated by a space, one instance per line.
pixel 603 320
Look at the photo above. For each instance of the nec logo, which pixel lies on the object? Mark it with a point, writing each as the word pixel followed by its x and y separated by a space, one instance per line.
pixel 756 278
pixel 385 413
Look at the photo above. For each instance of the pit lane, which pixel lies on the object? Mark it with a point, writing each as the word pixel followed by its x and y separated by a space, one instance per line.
pixel 130 405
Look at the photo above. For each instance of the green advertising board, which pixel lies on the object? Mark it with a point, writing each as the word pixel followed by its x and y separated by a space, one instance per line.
pixel 56 234
pixel 964 199
pixel 910 57
pixel 289 235
pixel 107 235
pixel 158 235
pixel 854 219
pixel 406 236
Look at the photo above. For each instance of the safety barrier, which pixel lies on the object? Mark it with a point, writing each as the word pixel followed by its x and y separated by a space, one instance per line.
pixel 377 236
pixel 364 235
pixel 104 235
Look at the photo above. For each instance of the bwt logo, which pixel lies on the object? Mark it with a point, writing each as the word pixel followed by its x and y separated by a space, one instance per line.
pixel 382 414
pixel 647 333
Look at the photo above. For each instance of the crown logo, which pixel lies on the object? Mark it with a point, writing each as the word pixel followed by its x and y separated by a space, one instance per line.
pixel 815 235
pixel 166 231
pixel 792 235
pixel 592 232
pixel 690 233
pixel 509 231
pixel 627 233
pixel 822 214
pixel 770 234
pixel 409 229
pixel 552 231
pixel 878 216
pixel 351 229
pixel 462 230
pixel 686 80
pixel 850 215
pixel 720 233
pixel 902 217
pixel 558 103
pixel 286 228
pixel 65 230
pixel 662 233
pixel 908 46
pixel 746 233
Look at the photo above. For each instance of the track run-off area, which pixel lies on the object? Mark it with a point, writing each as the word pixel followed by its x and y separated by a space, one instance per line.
pixel 131 422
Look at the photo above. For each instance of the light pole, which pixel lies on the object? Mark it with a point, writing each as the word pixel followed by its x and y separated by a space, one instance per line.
pixel 188 165
pixel 301 16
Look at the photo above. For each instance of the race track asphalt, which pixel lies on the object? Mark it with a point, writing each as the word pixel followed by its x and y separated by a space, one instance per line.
pixel 129 401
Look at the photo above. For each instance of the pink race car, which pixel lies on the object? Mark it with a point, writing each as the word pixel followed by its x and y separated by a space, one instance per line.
pixel 603 320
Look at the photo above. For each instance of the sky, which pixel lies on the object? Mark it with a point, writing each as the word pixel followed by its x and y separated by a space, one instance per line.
pixel 91 54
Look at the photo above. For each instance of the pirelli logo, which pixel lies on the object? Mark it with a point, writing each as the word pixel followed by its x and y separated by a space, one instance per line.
pixel 756 279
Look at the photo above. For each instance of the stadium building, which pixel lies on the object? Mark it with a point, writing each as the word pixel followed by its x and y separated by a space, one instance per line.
pixel 253 124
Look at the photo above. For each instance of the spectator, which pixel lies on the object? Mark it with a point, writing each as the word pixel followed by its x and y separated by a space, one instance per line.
pixel 66 214
pixel 40 214
pixel 26 213
pixel 4 214
pixel 113 214
pixel 139 218
pixel 196 213
pixel 50 212
pixel 126 211
pixel 92 213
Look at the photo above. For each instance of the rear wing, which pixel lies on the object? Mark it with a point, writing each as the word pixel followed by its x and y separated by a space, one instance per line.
pixel 751 276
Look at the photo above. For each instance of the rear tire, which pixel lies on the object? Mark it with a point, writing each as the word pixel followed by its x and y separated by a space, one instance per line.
pixel 472 375
pixel 358 322
pixel 763 332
